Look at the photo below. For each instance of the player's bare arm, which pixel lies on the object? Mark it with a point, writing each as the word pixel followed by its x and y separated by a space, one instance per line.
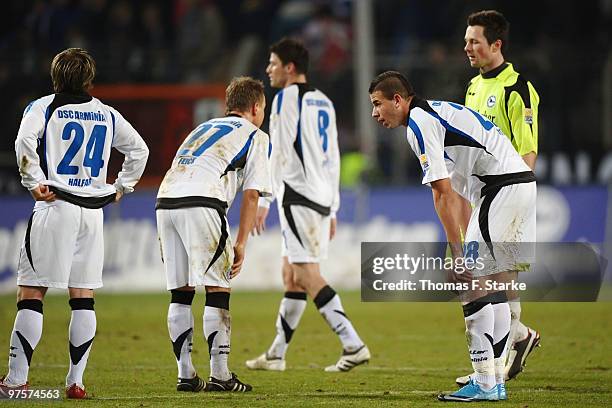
pixel 448 205
pixel 332 227
pixel 530 160
pixel 466 213
pixel 248 212
pixel 260 220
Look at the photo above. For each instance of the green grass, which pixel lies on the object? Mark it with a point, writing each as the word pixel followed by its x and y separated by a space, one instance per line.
pixel 418 349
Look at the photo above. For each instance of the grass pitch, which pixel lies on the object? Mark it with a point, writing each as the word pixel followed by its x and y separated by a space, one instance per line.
pixel 417 351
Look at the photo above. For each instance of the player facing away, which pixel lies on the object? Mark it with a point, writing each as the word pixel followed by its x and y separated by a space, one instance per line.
pixel 63 148
pixel 305 170
pixel 465 158
pixel 508 100
pixel 218 158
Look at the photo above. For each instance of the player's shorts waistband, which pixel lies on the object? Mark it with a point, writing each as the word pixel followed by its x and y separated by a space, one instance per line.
pixel 165 203
pixel 292 197
pixel 497 181
pixel 86 202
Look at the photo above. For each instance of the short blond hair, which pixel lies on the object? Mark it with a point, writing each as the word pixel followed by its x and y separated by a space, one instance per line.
pixel 242 93
pixel 73 70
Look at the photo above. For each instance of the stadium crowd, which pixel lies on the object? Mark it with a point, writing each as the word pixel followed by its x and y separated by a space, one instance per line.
pixel 195 41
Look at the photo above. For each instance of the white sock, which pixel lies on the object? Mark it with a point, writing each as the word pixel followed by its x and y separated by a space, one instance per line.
pixel 81 333
pixel 289 314
pixel 217 330
pixel 24 339
pixel 501 333
pixel 518 331
pixel 329 305
pixel 479 323
pixel 180 328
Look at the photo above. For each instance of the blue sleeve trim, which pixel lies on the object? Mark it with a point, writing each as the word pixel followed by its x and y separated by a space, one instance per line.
pixel 297 144
pixel 417 132
pixel 42 145
pixel 269 148
pixel 279 101
pixel 113 118
pixel 27 108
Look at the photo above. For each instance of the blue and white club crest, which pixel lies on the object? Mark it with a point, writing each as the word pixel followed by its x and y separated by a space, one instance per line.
pixel 491 101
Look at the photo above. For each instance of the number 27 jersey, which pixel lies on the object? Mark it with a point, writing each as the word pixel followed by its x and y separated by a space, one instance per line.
pixel 217 159
pixel 65 141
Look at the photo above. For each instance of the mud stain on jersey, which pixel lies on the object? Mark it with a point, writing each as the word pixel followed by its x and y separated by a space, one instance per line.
pixel 24 163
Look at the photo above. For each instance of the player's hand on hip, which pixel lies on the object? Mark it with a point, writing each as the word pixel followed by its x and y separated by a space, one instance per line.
pixel 260 220
pixel 332 228
pixel 238 259
pixel 118 196
pixel 42 193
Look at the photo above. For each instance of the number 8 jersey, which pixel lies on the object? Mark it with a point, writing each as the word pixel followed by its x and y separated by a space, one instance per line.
pixel 65 141
pixel 305 157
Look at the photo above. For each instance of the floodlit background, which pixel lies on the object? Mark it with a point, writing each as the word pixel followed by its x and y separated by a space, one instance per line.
pixel 165 64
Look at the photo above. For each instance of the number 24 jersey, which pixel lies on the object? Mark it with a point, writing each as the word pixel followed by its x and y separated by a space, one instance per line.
pixel 65 141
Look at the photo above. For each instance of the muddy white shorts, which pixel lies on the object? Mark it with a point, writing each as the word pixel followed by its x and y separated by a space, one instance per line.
pixel 196 247
pixel 305 234
pixel 502 229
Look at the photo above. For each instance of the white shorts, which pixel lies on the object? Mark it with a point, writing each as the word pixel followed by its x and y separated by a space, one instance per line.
pixel 63 248
pixel 504 234
pixel 192 249
pixel 305 234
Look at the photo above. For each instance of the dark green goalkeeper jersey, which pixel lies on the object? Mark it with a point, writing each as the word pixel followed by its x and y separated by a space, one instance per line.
pixel 509 101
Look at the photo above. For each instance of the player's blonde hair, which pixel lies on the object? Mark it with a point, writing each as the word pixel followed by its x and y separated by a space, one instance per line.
pixel 73 71
pixel 242 93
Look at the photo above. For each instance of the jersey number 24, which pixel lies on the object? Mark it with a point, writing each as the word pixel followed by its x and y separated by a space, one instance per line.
pixel 93 152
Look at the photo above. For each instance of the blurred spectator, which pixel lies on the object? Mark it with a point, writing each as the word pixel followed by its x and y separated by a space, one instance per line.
pixel 153 45
pixel 200 39
pixel 329 41
pixel 120 40
pixel 213 40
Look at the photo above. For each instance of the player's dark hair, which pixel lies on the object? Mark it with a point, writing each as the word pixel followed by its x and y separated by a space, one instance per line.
pixel 495 26
pixel 73 71
pixel 390 83
pixel 290 50
pixel 242 93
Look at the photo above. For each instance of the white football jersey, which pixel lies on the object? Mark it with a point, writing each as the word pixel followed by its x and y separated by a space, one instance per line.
pixel 305 155
pixel 65 141
pixel 453 141
pixel 218 158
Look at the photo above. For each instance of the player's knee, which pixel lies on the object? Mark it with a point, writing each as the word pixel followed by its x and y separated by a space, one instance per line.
pixel 300 279
pixel 79 293
pixel 30 293
pixel 213 289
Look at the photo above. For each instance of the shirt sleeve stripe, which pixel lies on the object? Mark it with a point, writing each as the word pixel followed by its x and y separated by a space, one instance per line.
pixel 417 132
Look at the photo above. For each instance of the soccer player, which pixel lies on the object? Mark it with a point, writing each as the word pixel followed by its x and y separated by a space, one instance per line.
pixel 217 158
pixel 306 172
pixel 63 148
pixel 466 158
pixel 510 101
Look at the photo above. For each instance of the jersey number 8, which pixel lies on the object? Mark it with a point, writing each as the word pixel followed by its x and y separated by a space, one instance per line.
pixel 323 122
